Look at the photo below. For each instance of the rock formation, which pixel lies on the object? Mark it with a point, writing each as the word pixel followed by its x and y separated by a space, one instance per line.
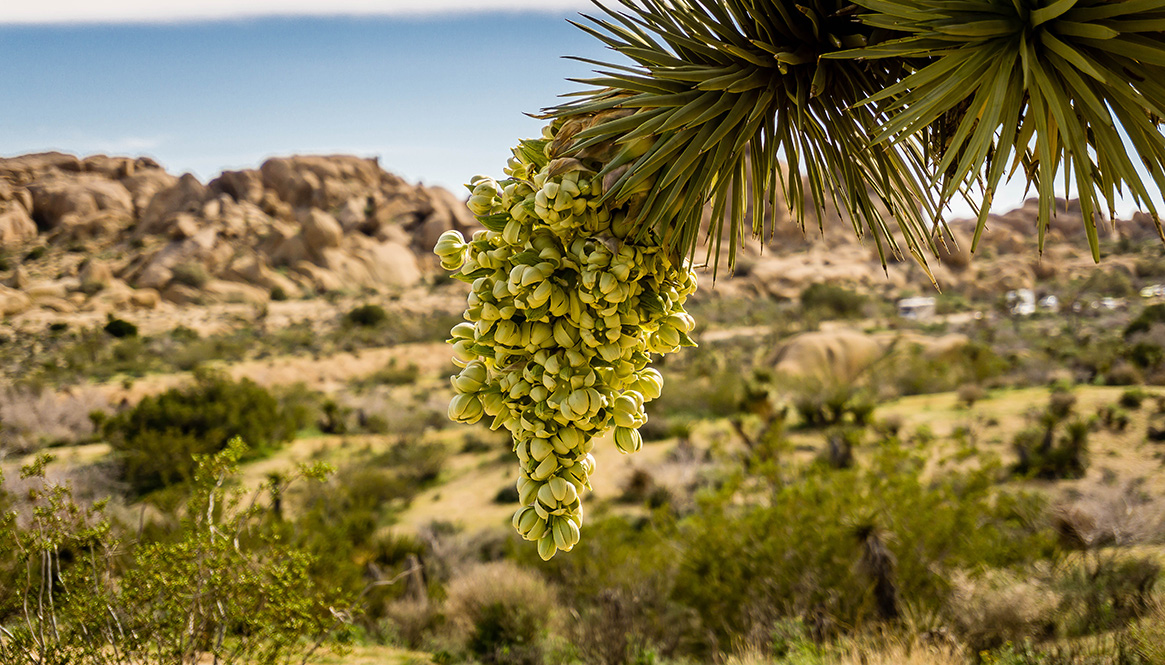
pixel 296 225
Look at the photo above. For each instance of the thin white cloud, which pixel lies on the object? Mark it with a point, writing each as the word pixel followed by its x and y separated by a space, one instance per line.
pixel 124 144
pixel 165 11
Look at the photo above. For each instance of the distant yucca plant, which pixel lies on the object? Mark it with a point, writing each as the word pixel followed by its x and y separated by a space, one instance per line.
pixel 890 108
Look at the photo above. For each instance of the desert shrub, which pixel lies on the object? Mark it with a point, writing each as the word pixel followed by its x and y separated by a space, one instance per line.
pixel 220 585
pixel 278 293
pixel 421 463
pixel 190 273
pixel 1052 450
pixel 708 393
pixel 502 612
pixel 969 393
pixel 745 567
pixel 1106 592
pixel 1132 398
pixel 1108 282
pixel 913 372
pixel 120 328
pixel 366 316
pixel 363 494
pixel 342 524
pixel 619 580
pixel 641 488
pixel 1113 418
pixel 334 418
pixel 833 300
pixel 827 403
pixel 507 495
pixel 391 374
pixel 31 419
pixel 999 606
pixel 412 620
pixel 157 439
pixel 1060 403
pixel 1122 373
pixel 1150 315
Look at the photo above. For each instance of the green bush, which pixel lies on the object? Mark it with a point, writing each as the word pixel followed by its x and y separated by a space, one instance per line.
pixel 832 299
pixel 220 586
pixel 1053 449
pixel 800 552
pixel 366 316
pixel 1150 315
pixel 157 439
pixel 120 328
pixel 1132 398
pixel 1108 282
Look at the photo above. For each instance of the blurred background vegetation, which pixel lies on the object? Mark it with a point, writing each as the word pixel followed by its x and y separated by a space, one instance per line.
pixel 824 481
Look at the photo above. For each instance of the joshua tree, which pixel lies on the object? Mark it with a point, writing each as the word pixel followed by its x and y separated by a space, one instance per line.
pixel 902 103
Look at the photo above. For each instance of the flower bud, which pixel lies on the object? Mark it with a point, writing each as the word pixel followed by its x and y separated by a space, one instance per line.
pixel 465 409
pixel 628 440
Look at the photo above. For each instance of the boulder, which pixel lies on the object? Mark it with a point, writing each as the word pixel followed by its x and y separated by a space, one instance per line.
pixel 95 275
pixel 58 305
pixel 242 186
pixel 13 302
pixel 321 279
pixel 324 182
pixel 320 230
pixel 836 357
pixel 290 252
pixel 183 225
pixel 353 214
pixel 253 269
pixel 60 202
pixel 181 294
pixel 113 296
pixel 390 265
pixel 113 168
pixel 27 168
pixel 55 289
pixel 186 195
pixel 1141 227
pixel 234 292
pixel 144 184
pixel 18 279
pixel 16 227
pixel 202 249
pixel 145 298
pixel 448 212
pixel 954 251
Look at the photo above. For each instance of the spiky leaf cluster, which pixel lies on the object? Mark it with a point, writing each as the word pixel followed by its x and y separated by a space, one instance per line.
pixel 564 314
pixel 1048 86
pixel 727 89
pixel 888 107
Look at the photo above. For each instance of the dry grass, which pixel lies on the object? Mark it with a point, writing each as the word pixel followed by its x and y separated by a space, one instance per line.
pixel 30 420
pixel 1148 636
pixel 869 651
pixel 996 606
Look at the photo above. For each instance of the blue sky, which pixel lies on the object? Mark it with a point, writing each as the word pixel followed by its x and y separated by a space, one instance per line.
pixel 436 88
pixel 439 98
